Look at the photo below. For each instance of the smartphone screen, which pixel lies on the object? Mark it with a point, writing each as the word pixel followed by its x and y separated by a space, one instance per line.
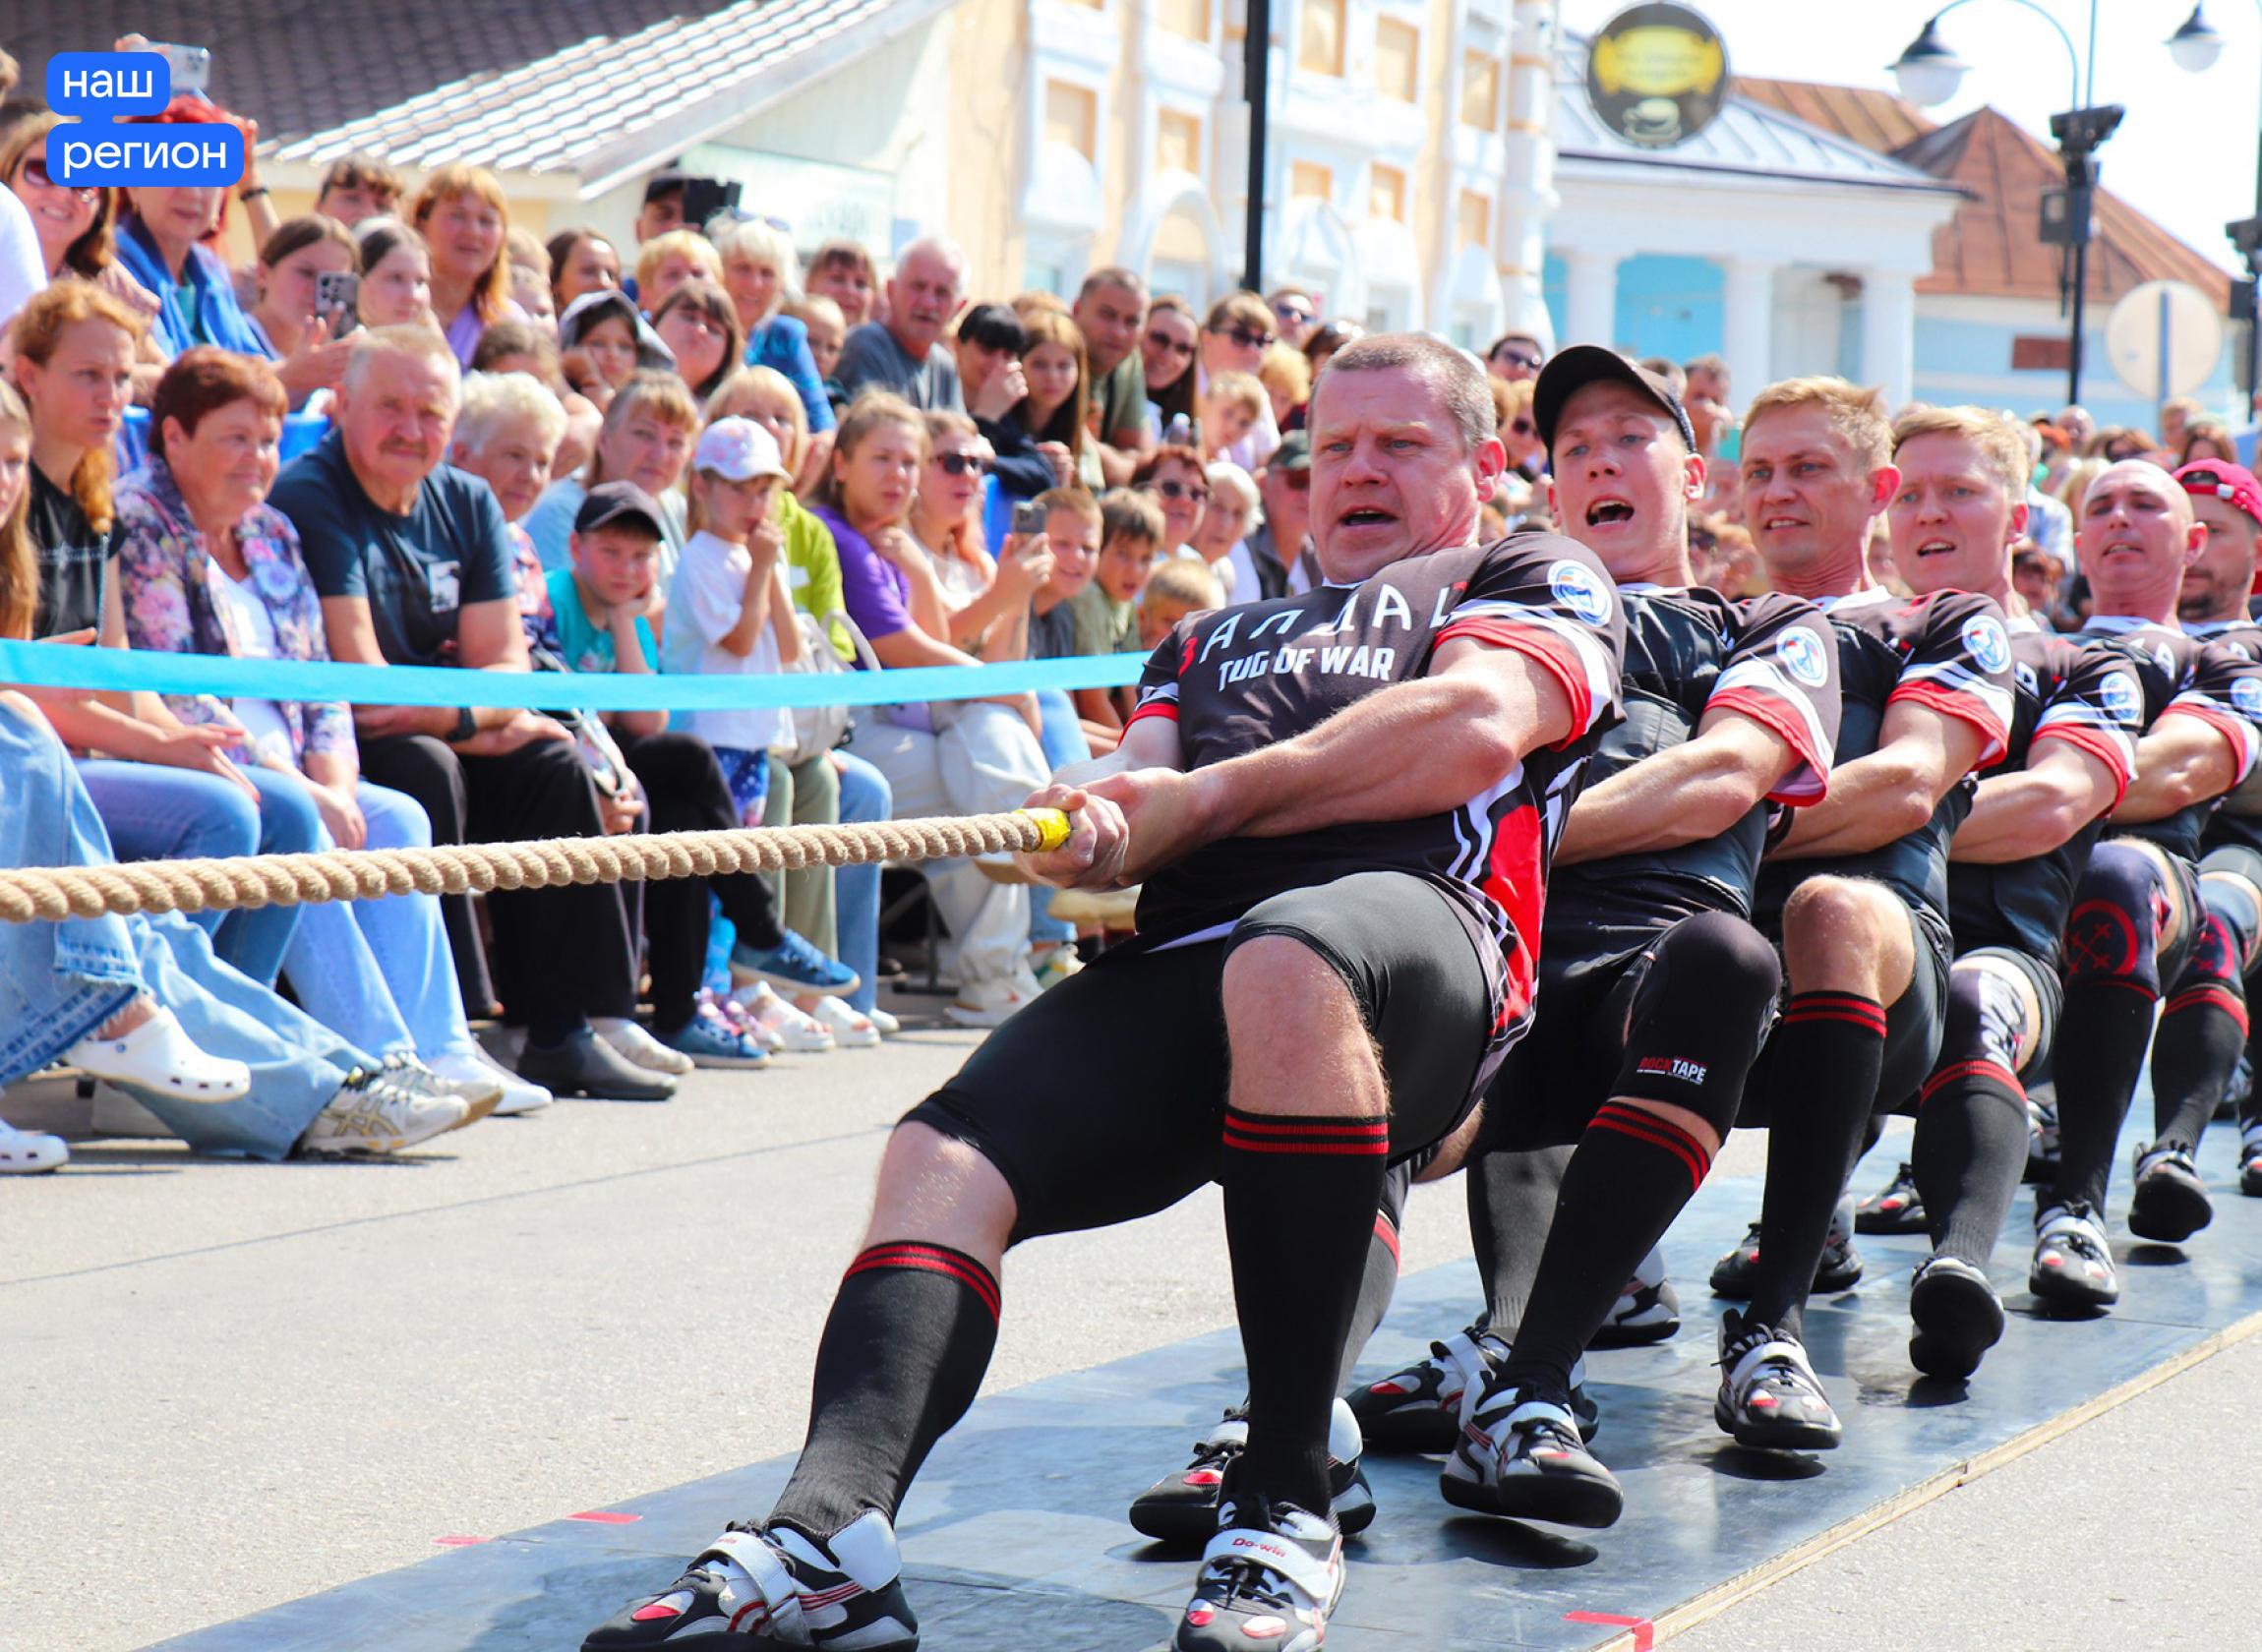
pixel 336 298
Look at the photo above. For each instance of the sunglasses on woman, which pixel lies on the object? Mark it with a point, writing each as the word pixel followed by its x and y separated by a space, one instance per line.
pixel 1248 338
pixel 1174 490
pixel 1170 346
pixel 1519 358
pixel 35 171
pixel 961 464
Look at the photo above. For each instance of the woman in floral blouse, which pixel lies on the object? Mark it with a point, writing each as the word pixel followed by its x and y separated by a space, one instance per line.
pixel 206 565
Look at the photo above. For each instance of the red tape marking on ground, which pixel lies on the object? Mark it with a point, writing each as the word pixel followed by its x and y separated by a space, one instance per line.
pixel 457 1541
pixel 1644 1631
pixel 606 1517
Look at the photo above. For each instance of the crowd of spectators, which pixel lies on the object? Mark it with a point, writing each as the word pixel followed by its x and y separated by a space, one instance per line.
pixel 695 453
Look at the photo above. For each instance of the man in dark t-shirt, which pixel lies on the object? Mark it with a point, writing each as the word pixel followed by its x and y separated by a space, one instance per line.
pixel 1340 807
pixel 414 566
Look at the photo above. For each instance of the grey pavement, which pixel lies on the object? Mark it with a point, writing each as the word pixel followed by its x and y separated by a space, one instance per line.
pixel 231 1386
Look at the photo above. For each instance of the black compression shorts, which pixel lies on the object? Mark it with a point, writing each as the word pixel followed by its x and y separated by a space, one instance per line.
pixel 1104 1100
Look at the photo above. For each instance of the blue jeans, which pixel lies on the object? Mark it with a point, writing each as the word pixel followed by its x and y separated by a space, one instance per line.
pixel 864 795
pixel 380 972
pixel 1061 737
pixel 58 981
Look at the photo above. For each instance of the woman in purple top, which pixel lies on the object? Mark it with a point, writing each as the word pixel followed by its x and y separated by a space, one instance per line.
pixel 464 220
pixel 953 757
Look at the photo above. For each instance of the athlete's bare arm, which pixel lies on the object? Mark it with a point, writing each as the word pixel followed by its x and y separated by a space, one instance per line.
pixel 2179 761
pixel 1893 791
pixel 2033 810
pixel 1697 790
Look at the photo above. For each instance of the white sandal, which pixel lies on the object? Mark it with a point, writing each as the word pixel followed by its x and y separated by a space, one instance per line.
pixel 157 1058
pixel 849 1027
pixel 26 1153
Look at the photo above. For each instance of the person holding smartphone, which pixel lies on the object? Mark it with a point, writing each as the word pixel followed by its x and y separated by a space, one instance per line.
pixel 299 265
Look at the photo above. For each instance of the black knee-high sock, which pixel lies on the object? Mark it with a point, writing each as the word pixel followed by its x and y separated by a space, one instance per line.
pixel 2194 1052
pixel 1969 1155
pixel 1511 1201
pixel 903 1353
pixel 1300 1200
pixel 1626 1179
pixel 2100 1042
pixel 1824 1088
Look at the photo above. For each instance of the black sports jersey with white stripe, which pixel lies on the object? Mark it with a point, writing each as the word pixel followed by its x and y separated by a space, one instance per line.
pixel 2238 821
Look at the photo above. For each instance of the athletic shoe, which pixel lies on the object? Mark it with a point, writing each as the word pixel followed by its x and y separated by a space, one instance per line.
pixel 1769 1396
pixel 2042 1140
pixel 888 1026
pixel 1839 1268
pixel 374 1113
pixel 2072 1262
pixel 1647 1310
pixel 849 1027
pixel 2170 1202
pixel 586 1065
pixel 1898 1208
pixel 710 1040
pixel 794 965
pixel 1183 1507
pixel 1422 1409
pixel 774 1587
pixel 29 1153
pixel 519 1096
pixel 479 1093
pixel 634 1044
pixel 777 1023
pixel 1521 1455
pixel 2250 1161
pixel 1956 1315
pixel 988 1003
pixel 1269 1578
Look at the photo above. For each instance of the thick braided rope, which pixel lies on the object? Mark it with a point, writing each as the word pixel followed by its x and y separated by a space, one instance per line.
pixel 50 893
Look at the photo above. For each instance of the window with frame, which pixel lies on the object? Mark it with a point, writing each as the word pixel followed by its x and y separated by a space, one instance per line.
pixel 1320 38
pixel 1308 179
pixel 1177 141
pixel 1472 220
pixel 1190 17
pixel 1387 194
pixel 1072 117
pixel 1480 90
pixel 1397 60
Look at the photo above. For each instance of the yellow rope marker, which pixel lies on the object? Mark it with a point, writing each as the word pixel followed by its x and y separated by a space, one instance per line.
pixel 1052 828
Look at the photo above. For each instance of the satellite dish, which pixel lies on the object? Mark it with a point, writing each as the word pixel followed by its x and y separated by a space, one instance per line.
pixel 2165 339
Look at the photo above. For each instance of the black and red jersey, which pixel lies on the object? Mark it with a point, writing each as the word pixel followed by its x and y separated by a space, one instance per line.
pixel 2185 676
pixel 1242 679
pixel 1950 651
pixel 2060 691
pixel 1687 653
pixel 2239 819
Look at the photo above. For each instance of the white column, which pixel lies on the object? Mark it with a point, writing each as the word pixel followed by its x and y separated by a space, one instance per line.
pixel 1747 327
pixel 1528 195
pixel 1889 333
pixel 1591 298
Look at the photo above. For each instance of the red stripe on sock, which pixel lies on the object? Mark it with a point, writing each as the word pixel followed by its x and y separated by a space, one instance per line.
pixel 1387 1231
pixel 1995 1070
pixel 1668 1133
pixel 932 1259
pixel 1280 1134
pixel 1871 1018
pixel 1360 1150
pixel 1282 1124
pixel 1690 1157
pixel 2213 996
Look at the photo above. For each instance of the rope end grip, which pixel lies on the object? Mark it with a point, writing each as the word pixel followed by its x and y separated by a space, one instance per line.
pixel 1052 828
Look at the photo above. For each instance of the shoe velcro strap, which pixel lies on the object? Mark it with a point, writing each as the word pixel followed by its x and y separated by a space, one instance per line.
pixel 1290 1558
pixel 2160 1155
pixel 1233 1431
pixel 780 1603
pixel 1772 1351
pixel 2062 1224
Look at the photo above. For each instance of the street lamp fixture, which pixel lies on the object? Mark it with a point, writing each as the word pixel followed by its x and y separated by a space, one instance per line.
pixel 2197 44
pixel 1928 71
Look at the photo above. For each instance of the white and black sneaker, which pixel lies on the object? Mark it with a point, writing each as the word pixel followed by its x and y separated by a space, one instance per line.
pixel 1271 1576
pixel 1183 1507
pixel 2169 1202
pixel 1521 1455
pixel 2250 1160
pixel 1956 1317
pixel 1896 1207
pixel 1418 1409
pixel 771 1586
pixel 1838 1268
pixel 1770 1397
pixel 2072 1262
pixel 1647 1310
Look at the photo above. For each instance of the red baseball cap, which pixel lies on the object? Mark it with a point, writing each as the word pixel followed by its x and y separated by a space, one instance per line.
pixel 2232 482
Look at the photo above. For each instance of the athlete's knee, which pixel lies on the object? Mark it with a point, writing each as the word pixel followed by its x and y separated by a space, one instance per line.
pixel 943 1190
pixel 2120 908
pixel 2233 902
pixel 1846 933
pixel 1282 983
pixel 1725 958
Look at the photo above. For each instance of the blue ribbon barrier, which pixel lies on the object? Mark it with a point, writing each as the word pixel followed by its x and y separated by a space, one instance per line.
pixel 121 670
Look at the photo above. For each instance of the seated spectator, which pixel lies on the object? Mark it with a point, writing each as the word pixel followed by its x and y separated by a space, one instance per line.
pixel 1232 403
pixel 836 908
pixel 648 437
pixel 843 271
pixel 1177 480
pixel 1235 335
pixel 958 592
pixel 1131 533
pixel 2039 580
pixel 463 217
pixel 603 605
pixel 1295 314
pixel 207 567
pixel 1072 524
pixel 959 757
pixel 1166 351
pixel 1669 371
pixel 665 262
pixel 662 211
pixel 1221 540
pixel 1327 339
pixel 763 278
pixel 699 326
pixel 507 434
pixel 290 263
pixel 1519 433
pixel 395 276
pixel 1276 545
pixel 414 566
pixel 530 279
pixel 827 331
pixel 581 261
pixel 605 330
pixel 905 354
pixel 987 347
pixel 1515 356
pixel 1056 411
pixel 160 244
pixel 523 347
pixel 1175 589
pixel 1036 302
pixel 1111 311
pixel 358 185
pixel 2207 439
pixel 74 230
pixel 1287 375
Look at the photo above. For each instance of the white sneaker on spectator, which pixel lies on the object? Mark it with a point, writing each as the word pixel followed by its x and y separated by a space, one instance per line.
pixel 27 1152
pixel 519 1096
pixel 119 1112
pixel 375 1114
pixel 849 1027
pixel 632 1043
pixel 987 1003
pixel 479 1093
pixel 888 1026
pixel 780 1025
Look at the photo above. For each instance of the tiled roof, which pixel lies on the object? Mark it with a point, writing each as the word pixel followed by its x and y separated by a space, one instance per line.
pixel 1876 119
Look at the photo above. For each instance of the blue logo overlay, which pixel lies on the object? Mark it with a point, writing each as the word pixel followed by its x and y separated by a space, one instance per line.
pixel 1801 652
pixel 1989 642
pixel 2246 696
pixel 101 86
pixel 2118 691
pixel 1578 588
pixel 97 151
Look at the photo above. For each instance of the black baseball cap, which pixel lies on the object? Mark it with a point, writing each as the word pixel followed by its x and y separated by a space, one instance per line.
pixel 1570 370
pixel 668 182
pixel 612 503
pixel 1294 452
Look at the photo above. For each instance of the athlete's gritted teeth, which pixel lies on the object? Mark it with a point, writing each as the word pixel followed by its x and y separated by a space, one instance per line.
pixel 1608 510
pixel 1935 548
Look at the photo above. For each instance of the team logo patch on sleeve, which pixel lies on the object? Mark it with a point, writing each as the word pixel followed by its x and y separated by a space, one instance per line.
pixel 1801 652
pixel 2246 696
pixel 1988 641
pixel 1576 588
pixel 2121 703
